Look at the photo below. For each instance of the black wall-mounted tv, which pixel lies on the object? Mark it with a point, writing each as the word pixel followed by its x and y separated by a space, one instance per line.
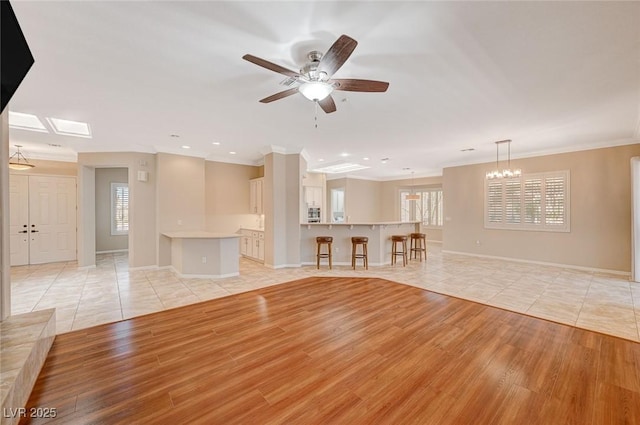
pixel 15 57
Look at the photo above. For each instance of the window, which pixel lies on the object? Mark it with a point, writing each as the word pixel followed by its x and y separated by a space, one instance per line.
pixel 119 209
pixel 337 205
pixel 531 202
pixel 427 209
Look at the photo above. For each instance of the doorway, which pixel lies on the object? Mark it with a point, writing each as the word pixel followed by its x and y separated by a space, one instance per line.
pixel 112 209
pixel 42 219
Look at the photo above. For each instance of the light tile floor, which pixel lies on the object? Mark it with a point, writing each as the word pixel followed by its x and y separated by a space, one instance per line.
pixel 601 302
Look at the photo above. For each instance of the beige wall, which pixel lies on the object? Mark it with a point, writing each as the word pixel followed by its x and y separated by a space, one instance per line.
pixel 282 197
pixel 142 205
pixel 227 196
pixel 180 198
pixel 600 204
pixel 45 167
pixel 390 207
pixel 105 241
pixel 362 199
pixel 5 264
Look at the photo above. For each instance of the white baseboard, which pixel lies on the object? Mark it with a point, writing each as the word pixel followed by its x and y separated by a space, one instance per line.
pixel 542 263
pixel 112 251
pixel 152 267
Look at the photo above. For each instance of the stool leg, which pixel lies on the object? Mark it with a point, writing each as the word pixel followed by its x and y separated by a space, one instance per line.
pixel 411 249
pixel 366 256
pixel 353 255
pixel 318 256
pixel 330 264
pixel 393 253
pixel 404 253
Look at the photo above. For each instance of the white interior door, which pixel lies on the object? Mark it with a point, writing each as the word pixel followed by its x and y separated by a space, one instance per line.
pixel 52 213
pixel 19 219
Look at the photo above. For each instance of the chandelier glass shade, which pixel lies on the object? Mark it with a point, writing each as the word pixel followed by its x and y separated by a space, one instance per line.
pixel 18 161
pixel 412 196
pixel 505 173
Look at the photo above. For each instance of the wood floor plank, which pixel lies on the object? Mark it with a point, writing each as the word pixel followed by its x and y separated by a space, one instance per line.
pixel 341 351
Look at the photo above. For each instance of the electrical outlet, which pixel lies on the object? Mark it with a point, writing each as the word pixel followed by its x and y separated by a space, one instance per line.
pixel 204 260
pixel 337 249
pixel 179 222
pixel 478 242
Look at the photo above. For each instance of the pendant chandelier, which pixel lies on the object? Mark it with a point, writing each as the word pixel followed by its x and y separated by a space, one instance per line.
pixel 506 172
pixel 412 196
pixel 18 161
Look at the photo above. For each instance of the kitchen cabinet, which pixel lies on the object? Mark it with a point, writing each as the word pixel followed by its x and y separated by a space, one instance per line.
pixel 255 193
pixel 252 244
pixel 313 196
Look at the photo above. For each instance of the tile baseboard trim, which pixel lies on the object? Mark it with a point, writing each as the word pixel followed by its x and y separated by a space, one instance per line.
pixel 543 263
pixel 112 251
pixel 202 276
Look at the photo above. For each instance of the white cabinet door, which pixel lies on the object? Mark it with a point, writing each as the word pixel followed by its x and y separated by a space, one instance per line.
pixel 313 196
pixel 245 245
pixel 260 247
pixel 255 194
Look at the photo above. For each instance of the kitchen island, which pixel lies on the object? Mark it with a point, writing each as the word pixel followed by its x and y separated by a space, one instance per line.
pixel 379 235
pixel 204 254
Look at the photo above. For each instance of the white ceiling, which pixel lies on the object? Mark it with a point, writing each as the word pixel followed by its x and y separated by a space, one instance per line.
pixel 551 76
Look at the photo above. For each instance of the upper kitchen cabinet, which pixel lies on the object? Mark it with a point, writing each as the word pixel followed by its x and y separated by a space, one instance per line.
pixel 313 196
pixel 255 192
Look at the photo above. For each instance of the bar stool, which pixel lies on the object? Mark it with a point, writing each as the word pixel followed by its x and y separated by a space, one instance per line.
pixel 355 241
pixel 323 240
pixel 396 239
pixel 418 245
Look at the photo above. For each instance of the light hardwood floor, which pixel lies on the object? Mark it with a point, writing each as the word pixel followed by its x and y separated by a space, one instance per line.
pixel 336 350
pixel 602 302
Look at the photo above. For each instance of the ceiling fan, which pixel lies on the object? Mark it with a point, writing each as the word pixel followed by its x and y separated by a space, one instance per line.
pixel 314 81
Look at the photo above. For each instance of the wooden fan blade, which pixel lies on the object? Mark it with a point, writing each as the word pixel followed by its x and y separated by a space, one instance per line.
pixel 337 55
pixel 327 104
pixel 271 66
pixel 279 95
pixel 360 85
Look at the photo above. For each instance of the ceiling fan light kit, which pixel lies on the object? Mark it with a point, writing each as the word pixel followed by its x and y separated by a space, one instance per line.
pixel 315 77
pixel 315 90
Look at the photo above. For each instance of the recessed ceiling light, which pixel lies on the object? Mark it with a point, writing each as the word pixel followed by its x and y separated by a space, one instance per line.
pixel 174 135
pixel 366 158
pixel 26 122
pixel 384 160
pixel 343 167
pixel 216 143
pixel 321 160
pixel 185 147
pixel 344 154
pixel 232 152
pixel 70 128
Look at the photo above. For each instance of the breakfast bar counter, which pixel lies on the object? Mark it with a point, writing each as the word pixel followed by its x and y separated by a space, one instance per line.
pixel 379 234
pixel 205 254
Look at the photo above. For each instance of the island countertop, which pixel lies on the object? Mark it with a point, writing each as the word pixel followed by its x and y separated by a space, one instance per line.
pixel 378 232
pixel 367 223
pixel 198 234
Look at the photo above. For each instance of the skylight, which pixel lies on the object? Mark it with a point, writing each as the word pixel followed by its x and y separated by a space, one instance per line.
pixel 23 121
pixel 70 128
pixel 343 167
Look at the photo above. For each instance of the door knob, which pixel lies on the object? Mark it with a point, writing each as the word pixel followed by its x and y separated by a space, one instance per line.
pixel 23 231
pixel 34 231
